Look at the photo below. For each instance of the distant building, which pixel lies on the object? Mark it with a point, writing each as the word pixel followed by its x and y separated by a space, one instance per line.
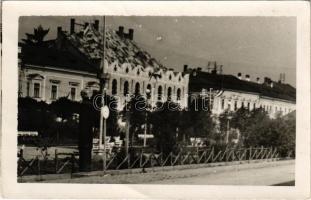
pixel 70 63
pixel 228 92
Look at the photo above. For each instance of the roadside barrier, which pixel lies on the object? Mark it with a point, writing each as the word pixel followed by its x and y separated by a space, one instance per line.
pixel 68 162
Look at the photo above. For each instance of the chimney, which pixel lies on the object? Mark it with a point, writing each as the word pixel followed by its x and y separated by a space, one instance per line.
pixel 72 26
pixel 240 75
pixel 247 77
pixel 185 68
pixel 131 34
pixel 86 24
pixel 96 25
pixel 267 80
pixel 120 32
pixel 258 80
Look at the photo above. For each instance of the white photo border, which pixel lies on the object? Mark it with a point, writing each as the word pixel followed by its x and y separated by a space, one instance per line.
pixel 12 10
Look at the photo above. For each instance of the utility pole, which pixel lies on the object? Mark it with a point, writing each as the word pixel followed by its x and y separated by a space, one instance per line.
pixel 102 77
pixel 210 98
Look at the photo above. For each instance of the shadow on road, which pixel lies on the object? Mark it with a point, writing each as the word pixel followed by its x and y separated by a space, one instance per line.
pixel 289 183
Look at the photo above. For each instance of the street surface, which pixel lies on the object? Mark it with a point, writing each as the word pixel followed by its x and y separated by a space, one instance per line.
pixel 266 173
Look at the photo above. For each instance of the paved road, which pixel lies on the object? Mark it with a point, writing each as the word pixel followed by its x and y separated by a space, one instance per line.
pixel 267 173
pixel 258 176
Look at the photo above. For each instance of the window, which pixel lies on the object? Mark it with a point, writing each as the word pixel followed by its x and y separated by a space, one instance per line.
pixel 222 104
pixel 235 105
pixel 73 93
pixel 28 89
pixel 169 94
pixel 126 88
pixel 137 88
pixel 127 70
pixel 242 104
pixel 160 93
pixel 178 94
pixel 150 91
pixel 54 92
pixel 114 88
pixel 36 90
pixel 254 106
pixel 248 105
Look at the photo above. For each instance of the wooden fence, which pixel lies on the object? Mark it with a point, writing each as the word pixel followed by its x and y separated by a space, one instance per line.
pixel 68 162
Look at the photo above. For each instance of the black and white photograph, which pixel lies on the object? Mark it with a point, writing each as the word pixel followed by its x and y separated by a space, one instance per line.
pixel 157 100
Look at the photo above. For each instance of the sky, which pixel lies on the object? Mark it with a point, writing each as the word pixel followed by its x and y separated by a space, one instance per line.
pixel 258 46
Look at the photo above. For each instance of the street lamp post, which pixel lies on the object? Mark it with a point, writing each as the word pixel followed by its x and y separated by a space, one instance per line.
pixel 146 117
pixel 127 131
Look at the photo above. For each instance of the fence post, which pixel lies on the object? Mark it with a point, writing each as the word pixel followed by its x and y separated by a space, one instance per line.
pixel 56 161
pixel 250 153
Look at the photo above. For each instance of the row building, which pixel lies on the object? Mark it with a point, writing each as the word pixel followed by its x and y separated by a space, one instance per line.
pixel 229 93
pixel 70 63
pixel 65 66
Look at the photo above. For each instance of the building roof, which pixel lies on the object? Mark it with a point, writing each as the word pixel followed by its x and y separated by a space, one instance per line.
pixel 49 56
pixel 83 49
pixel 118 48
pixel 199 80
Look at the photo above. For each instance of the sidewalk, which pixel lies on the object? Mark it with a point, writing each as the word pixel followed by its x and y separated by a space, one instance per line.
pixel 208 168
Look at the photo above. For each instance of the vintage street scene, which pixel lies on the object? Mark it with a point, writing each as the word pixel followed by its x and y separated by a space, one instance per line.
pixel 157 100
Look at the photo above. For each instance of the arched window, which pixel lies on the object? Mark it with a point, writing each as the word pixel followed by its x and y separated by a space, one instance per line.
pixel 169 93
pixel 114 89
pixel 150 91
pixel 126 88
pixel 137 88
pixel 178 94
pixel 160 93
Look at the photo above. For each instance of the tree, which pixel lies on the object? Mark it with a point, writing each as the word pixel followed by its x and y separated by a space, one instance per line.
pixel 197 121
pixel 112 121
pixel 136 110
pixel 31 114
pixel 36 39
pixel 165 120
